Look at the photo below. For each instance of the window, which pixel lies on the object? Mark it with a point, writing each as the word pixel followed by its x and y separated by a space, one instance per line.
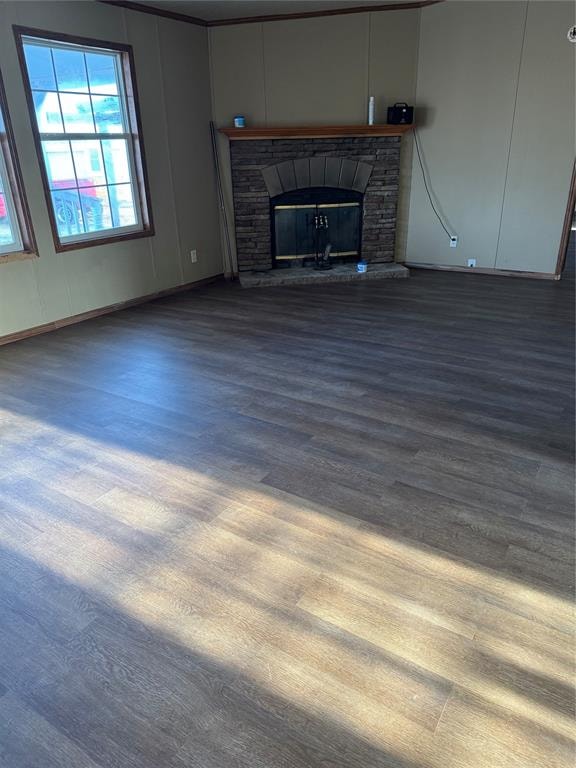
pixel 84 111
pixel 15 229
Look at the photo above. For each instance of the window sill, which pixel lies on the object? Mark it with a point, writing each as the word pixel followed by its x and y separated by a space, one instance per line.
pixel 78 244
pixel 17 256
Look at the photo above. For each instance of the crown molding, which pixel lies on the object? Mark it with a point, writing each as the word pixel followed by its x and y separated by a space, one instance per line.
pixel 153 10
pixel 166 14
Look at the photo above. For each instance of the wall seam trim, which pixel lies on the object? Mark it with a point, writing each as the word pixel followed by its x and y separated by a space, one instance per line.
pixel 369 63
pixel 264 85
pixel 504 191
pixel 169 152
pixel 411 137
pixel 151 250
pixel 212 78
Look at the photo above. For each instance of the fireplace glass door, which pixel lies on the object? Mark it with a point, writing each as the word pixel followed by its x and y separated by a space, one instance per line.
pixel 307 221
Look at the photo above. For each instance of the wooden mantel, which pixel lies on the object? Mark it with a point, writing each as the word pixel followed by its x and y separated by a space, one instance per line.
pixel 313 132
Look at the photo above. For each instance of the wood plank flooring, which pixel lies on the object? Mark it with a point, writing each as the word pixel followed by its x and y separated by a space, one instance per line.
pixel 325 526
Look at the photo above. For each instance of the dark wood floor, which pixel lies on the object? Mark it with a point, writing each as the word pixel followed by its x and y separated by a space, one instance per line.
pixel 292 528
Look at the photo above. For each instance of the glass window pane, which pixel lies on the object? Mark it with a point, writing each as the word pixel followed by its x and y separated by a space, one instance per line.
pixel 67 212
pixel 48 115
pixel 102 73
pixel 85 134
pixel 122 205
pixel 59 164
pixel 107 114
pixel 10 232
pixel 116 159
pixel 88 163
pixel 70 70
pixel 96 208
pixel 39 66
pixel 7 237
pixel 77 113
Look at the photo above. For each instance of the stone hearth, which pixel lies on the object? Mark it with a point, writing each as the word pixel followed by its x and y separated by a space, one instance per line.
pixel 265 168
pixel 341 273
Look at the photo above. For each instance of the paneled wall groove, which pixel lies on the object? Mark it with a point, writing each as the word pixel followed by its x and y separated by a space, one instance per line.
pixel 511 134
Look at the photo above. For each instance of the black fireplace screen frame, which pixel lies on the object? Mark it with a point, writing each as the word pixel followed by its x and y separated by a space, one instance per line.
pixel 314 197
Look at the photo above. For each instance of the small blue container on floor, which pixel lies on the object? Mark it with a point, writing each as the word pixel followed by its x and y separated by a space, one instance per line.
pixel 362 266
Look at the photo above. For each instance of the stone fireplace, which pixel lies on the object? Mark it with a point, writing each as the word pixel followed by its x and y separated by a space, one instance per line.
pixel 356 172
pixel 289 182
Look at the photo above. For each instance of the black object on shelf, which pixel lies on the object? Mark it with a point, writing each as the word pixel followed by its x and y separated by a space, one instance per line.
pixel 400 114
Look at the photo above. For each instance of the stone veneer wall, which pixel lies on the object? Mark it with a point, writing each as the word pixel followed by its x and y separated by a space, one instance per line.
pixel 251 158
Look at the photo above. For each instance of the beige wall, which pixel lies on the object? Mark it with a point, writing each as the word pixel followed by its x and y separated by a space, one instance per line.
pixel 494 83
pixel 496 98
pixel 314 71
pixel 543 142
pixel 172 70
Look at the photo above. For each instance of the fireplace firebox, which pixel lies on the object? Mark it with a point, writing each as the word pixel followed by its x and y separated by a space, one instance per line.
pixel 316 226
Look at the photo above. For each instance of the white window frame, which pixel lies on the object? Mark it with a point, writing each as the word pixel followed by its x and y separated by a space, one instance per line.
pixel 131 135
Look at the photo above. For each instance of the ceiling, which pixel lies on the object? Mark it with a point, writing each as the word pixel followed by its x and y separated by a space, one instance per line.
pixel 216 10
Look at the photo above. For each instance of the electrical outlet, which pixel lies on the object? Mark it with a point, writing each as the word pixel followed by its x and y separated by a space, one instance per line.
pixel 194 256
pixel 471 262
pixel 453 241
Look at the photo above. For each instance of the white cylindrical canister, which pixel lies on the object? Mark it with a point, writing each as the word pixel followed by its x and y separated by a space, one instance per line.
pixel 371 107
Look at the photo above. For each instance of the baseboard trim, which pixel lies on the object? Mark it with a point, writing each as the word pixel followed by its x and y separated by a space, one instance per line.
pixel 482 271
pixel 90 315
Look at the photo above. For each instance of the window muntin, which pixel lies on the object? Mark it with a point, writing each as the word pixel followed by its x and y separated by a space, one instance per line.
pixel 88 145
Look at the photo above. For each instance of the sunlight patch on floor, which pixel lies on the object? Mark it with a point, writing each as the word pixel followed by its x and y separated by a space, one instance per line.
pixel 268 587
